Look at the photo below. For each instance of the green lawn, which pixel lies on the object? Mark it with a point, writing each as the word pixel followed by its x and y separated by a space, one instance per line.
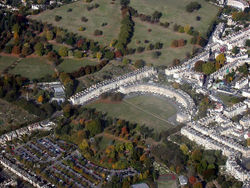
pixel 167 184
pixel 229 100
pixel 6 61
pixel 70 65
pixel 149 110
pixel 105 13
pixel 33 68
pixel 173 11
pixel 158 34
pixel 166 58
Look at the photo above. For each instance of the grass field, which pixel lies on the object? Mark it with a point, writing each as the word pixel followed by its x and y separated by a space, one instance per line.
pixel 105 13
pixel 6 61
pixel 166 58
pixel 70 65
pixel 167 184
pixel 33 68
pixel 149 110
pixel 158 34
pixel 173 11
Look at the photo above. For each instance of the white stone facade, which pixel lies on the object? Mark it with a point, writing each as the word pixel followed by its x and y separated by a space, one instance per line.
pixel 96 90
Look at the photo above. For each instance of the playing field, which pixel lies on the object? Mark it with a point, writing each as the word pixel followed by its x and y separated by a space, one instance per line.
pixel 33 68
pixel 107 12
pixel 70 65
pixel 149 110
pixel 6 61
pixel 174 11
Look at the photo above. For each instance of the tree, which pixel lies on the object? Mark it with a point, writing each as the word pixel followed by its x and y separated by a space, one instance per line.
pixel 26 50
pixel 52 56
pixel 63 51
pixel 217 65
pixel 187 28
pixel 58 18
pixel 184 149
pixel 181 42
pixel 84 144
pixel 176 62
pixel 16 50
pixel 124 2
pixel 99 56
pixel 192 6
pixel 235 50
pixel 67 111
pixel 248 142
pixel 49 35
pixel 124 130
pixel 98 32
pixel 209 174
pixel 78 54
pixel 174 44
pixel 39 49
pixel 109 55
pixel 197 185
pixel 192 180
pixel 40 99
pixel 196 155
pixel 208 68
pixel 139 63
pixel 247 43
pixel 16 28
pixel 221 58
pixel 156 54
pixel 156 15
pixel 94 127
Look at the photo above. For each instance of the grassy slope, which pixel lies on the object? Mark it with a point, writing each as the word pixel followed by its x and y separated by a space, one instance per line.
pixel 33 68
pixel 70 65
pixel 174 12
pixel 6 61
pixel 150 104
pixel 107 12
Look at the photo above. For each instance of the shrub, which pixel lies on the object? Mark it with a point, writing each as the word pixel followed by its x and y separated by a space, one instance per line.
pixel 192 6
pixel 98 32
pixel 139 63
pixel 78 54
pixel 84 19
pixel 104 24
pixel 198 18
pixel 58 18
pixel 140 49
pixel 158 45
pixel 69 10
pixel 82 28
pixel 166 24
pixel 96 5
pixel 156 54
